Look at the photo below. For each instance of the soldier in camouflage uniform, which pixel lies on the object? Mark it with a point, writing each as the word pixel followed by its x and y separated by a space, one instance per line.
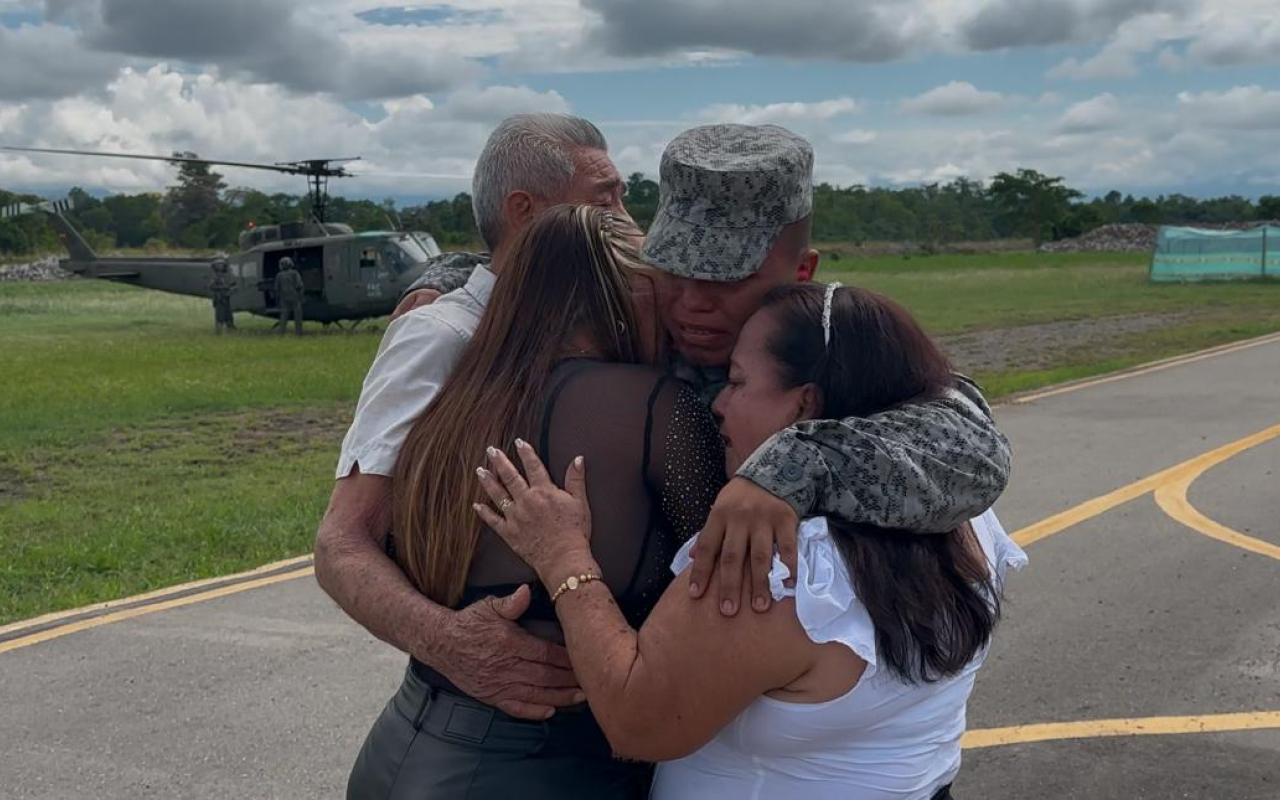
pixel 289 295
pixel 221 285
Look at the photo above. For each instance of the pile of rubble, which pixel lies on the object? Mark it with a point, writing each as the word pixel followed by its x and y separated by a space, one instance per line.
pixel 46 269
pixel 1131 237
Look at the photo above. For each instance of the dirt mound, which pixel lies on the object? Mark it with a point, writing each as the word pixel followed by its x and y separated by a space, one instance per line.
pixel 1119 238
pixel 45 269
pixel 1131 237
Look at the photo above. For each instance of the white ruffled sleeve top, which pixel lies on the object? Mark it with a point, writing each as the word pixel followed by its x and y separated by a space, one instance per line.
pixel 883 740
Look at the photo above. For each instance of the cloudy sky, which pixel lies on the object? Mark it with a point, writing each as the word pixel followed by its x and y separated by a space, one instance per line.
pixel 1145 96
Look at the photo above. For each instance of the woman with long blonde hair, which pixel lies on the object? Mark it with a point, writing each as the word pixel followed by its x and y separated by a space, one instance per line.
pixel 562 359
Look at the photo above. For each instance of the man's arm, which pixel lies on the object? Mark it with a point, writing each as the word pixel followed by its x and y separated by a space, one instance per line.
pixel 480 648
pixel 923 467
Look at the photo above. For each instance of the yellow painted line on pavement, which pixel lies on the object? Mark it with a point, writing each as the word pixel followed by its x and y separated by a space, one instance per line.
pixel 1141 726
pixel 130 613
pixel 1155 366
pixel 1189 469
pixel 168 591
pixel 1172 499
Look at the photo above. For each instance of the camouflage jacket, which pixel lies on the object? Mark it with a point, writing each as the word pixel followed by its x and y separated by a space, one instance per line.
pixel 921 466
pixel 448 271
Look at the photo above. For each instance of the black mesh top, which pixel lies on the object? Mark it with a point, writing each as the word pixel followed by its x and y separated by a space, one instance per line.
pixel 654 462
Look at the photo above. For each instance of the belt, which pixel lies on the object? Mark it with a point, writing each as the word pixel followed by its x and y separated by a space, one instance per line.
pixel 455 717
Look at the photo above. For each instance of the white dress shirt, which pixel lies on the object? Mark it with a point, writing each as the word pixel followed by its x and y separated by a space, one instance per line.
pixel 417 354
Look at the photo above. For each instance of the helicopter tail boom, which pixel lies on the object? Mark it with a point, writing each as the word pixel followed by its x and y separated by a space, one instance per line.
pixel 77 247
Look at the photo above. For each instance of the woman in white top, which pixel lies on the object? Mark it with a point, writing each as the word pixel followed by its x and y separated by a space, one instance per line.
pixel 854 684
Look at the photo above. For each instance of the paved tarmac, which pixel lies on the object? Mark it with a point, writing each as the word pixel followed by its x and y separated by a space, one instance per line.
pixel 1154 610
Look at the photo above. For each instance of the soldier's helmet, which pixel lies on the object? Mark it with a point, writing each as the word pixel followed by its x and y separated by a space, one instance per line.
pixel 286 263
pixel 219 264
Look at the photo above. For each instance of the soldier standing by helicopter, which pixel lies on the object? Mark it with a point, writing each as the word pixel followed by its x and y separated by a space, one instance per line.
pixel 289 291
pixel 221 285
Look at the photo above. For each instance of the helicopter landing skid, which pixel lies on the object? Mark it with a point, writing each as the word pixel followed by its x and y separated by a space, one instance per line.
pixel 345 329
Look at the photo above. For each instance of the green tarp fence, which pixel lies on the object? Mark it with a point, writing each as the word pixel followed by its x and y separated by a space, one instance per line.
pixel 1192 254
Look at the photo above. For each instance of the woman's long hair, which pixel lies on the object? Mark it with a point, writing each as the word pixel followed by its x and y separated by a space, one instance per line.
pixel 568 275
pixel 930 596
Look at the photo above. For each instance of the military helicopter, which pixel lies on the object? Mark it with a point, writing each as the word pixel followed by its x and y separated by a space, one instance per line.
pixel 348 276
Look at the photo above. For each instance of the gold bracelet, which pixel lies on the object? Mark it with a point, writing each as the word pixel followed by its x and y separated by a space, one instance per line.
pixel 573 582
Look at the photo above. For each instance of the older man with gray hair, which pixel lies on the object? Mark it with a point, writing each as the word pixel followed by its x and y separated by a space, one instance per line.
pixel 529 163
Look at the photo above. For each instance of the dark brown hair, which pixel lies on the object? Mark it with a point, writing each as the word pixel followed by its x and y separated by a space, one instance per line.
pixel 930 596
pixel 568 274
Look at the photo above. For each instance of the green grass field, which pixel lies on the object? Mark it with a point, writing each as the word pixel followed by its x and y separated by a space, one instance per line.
pixel 138 450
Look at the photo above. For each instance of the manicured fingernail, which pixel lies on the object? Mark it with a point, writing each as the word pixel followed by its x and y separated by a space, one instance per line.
pixel 761 603
pixel 727 606
pixel 578 462
pixel 491 451
pixel 693 589
pixel 579 697
pixel 521 444
pixel 482 472
pixel 476 507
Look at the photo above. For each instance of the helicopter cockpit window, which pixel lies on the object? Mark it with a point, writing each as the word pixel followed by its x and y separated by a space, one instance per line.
pixel 402 253
pixel 368 258
pixel 427 242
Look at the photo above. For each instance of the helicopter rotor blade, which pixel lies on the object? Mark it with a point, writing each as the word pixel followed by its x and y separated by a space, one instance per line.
pixel 307 167
pixel 14 210
pixel 443 175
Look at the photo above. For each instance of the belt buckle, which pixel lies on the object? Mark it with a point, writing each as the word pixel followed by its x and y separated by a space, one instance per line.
pixel 468 723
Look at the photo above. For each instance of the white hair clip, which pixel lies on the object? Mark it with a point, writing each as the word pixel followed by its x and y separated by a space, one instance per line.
pixel 826 312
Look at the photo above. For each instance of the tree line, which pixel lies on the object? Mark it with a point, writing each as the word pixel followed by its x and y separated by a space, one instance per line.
pixel 201 212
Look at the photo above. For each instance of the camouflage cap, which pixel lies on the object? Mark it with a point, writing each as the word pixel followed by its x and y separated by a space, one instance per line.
pixel 725 193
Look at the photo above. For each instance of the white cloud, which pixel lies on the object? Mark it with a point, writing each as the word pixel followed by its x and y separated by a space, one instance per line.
pixel 778 113
pixel 1110 63
pixel 1234 38
pixel 1095 114
pixel 1242 107
pixel 1022 23
pixel 955 99
pixel 855 136
pixel 493 103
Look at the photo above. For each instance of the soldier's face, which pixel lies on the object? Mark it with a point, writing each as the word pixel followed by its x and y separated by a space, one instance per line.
pixel 704 318
pixel 755 403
